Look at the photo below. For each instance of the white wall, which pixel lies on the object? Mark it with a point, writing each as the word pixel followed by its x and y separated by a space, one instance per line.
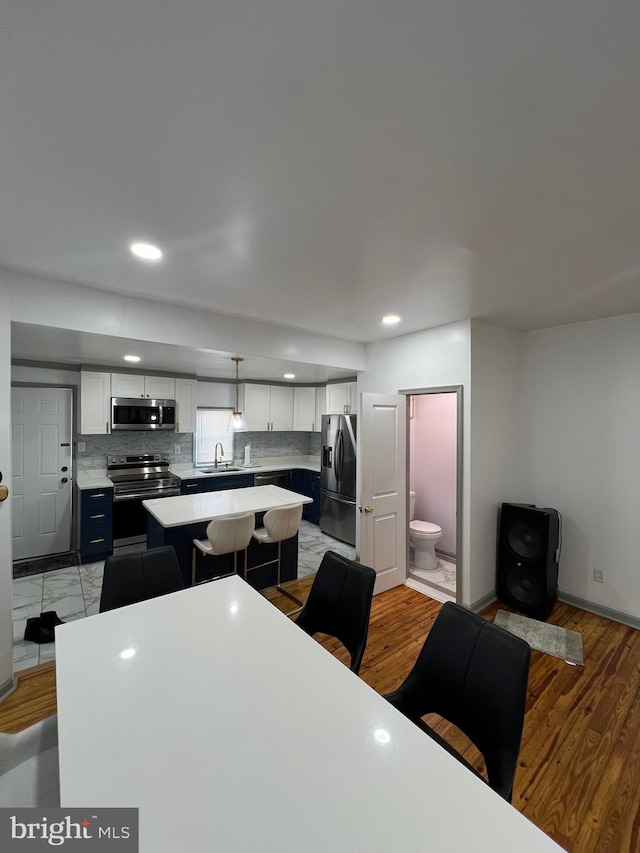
pixel 580 409
pixel 218 395
pixel 44 375
pixel 6 573
pixel 432 358
pixel 496 472
pixel 45 302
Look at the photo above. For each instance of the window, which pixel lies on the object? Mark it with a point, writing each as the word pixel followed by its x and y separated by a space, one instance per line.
pixel 212 426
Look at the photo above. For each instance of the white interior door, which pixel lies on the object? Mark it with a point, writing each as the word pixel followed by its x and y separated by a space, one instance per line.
pixel 382 448
pixel 41 451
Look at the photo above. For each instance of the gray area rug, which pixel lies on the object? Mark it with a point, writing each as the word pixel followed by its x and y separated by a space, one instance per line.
pixel 551 639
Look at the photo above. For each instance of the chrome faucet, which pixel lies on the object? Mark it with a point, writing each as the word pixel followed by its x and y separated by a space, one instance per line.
pixel 215 453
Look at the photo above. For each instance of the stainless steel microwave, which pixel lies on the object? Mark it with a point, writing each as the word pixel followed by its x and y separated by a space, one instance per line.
pixel 140 414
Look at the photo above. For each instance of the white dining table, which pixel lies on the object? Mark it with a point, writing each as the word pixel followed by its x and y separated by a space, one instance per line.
pixel 232 730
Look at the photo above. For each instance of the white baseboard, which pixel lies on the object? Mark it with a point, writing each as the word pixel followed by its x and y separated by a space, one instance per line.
pixel 8 687
pixel 606 612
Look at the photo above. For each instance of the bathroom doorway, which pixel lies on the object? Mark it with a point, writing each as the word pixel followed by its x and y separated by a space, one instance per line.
pixel 434 480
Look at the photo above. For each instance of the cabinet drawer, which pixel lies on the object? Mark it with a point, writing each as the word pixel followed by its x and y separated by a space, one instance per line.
pixel 94 542
pixel 93 496
pixel 96 516
pixel 190 487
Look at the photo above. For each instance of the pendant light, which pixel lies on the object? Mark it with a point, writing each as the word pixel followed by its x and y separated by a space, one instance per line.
pixel 237 422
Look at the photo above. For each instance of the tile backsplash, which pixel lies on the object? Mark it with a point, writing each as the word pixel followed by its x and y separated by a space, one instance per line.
pixel 98 447
pixel 263 444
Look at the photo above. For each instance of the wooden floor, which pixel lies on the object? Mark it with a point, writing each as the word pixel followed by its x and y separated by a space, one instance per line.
pixel 579 773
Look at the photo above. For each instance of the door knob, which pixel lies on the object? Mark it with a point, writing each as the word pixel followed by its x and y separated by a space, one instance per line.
pixel 368 509
pixel 4 493
pixel 64 480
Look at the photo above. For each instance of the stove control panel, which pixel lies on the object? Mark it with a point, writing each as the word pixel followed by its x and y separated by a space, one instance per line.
pixel 137 459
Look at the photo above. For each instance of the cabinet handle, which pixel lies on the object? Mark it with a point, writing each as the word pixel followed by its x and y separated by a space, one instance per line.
pixel 97 495
pixel 191 486
pixel 98 515
pixel 95 541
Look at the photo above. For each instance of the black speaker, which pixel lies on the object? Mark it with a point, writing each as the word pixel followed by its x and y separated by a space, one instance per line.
pixel 527 558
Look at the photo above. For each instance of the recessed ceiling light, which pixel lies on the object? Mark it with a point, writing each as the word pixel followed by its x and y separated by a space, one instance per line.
pixel 391 319
pixel 132 358
pixel 146 251
pixel 289 376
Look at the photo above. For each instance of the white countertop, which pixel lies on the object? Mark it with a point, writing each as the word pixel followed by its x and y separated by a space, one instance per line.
pixel 191 509
pixel 93 478
pixel 264 465
pixel 232 730
pixel 96 478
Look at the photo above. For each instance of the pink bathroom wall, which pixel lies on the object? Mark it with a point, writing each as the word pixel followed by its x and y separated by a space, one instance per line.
pixel 433 447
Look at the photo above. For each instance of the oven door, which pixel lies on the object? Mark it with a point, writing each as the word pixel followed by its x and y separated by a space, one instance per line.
pixel 130 517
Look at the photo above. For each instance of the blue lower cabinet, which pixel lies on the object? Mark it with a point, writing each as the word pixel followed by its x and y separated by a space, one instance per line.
pixel 314 508
pixel 219 484
pixel 96 524
pixel 190 487
pixel 308 483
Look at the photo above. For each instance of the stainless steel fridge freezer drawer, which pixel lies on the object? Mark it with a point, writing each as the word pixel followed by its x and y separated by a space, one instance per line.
pixel 338 517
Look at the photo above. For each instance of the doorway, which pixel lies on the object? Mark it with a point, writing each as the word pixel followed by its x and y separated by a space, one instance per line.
pixel 41 475
pixel 434 442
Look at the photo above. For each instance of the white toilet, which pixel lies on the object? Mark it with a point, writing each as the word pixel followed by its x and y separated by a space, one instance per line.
pixel 423 536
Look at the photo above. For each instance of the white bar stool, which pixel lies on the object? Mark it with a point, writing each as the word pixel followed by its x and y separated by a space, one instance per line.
pixel 226 535
pixel 280 524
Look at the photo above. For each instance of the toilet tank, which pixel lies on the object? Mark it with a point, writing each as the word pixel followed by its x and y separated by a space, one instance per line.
pixel 412 505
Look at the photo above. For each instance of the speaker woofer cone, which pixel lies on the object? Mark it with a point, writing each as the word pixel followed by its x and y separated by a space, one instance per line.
pixel 525 541
pixel 523 586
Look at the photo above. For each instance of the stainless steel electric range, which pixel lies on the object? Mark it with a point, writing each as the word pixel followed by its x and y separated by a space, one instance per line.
pixel 137 478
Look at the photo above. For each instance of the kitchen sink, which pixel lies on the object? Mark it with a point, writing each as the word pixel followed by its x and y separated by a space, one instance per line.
pixel 221 469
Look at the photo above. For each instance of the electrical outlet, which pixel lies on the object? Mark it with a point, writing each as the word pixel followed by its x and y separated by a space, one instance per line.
pixel 82 447
pixel 177 449
pixel 598 575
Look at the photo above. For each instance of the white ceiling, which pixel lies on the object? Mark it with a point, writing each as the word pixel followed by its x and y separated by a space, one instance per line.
pixel 318 163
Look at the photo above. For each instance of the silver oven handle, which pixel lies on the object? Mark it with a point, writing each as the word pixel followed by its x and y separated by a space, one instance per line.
pixel 145 495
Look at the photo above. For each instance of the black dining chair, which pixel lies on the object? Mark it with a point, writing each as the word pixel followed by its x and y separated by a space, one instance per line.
pixel 129 578
pixel 474 674
pixel 339 604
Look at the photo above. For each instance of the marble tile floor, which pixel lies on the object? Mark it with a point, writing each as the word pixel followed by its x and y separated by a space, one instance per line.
pixel 74 592
pixel 443 577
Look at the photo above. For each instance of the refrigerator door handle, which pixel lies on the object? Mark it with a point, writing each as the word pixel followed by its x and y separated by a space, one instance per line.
pixel 339 454
pixel 342 501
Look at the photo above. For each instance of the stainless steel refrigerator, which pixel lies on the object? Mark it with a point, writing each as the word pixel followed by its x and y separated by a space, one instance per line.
pixel 338 477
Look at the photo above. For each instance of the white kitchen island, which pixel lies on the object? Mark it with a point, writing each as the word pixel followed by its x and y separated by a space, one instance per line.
pixel 232 730
pixel 179 520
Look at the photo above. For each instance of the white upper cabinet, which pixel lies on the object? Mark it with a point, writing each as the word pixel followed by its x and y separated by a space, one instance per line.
pixel 321 406
pixel 255 403
pixel 342 398
pixel 136 385
pixel 186 404
pixel 281 408
pixel 160 387
pixel 127 385
pixel 304 409
pixel 95 402
pixel 267 407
